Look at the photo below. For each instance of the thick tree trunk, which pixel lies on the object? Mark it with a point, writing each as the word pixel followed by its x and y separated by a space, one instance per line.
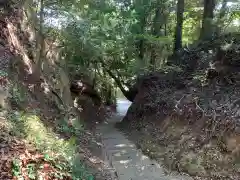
pixel 207 22
pixel 178 32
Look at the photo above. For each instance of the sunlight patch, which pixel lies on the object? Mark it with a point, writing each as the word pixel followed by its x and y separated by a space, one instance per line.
pixel 124 161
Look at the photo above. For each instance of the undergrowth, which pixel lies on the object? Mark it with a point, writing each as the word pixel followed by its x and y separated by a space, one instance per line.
pixel 57 155
pixel 53 157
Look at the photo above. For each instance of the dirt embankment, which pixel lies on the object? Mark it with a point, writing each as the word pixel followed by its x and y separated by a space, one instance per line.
pixel 42 133
pixel 191 120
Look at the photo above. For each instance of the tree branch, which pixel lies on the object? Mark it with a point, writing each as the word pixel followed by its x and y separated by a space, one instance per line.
pixel 129 94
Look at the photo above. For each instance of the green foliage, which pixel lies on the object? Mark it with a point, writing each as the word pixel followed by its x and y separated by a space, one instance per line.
pixel 108 34
pixel 31 171
pixel 61 153
pixel 17 93
pixel 78 170
pixel 30 126
pixel 75 128
pixel 3 73
pixel 16 169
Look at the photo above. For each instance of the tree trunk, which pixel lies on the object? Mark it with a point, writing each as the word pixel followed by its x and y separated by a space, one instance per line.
pixel 178 31
pixel 155 32
pixel 165 29
pixel 109 97
pixel 158 22
pixel 40 43
pixel 141 49
pixel 95 76
pixel 130 93
pixel 141 42
pixel 221 16
pixel 207 22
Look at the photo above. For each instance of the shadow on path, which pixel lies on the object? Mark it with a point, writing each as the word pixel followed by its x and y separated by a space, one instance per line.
pixel 129 162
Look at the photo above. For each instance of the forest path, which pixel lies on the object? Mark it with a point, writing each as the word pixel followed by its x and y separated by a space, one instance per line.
pixel 129 162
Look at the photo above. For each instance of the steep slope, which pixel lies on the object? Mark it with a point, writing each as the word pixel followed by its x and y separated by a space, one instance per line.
pixel 193 127
pixel 42 134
